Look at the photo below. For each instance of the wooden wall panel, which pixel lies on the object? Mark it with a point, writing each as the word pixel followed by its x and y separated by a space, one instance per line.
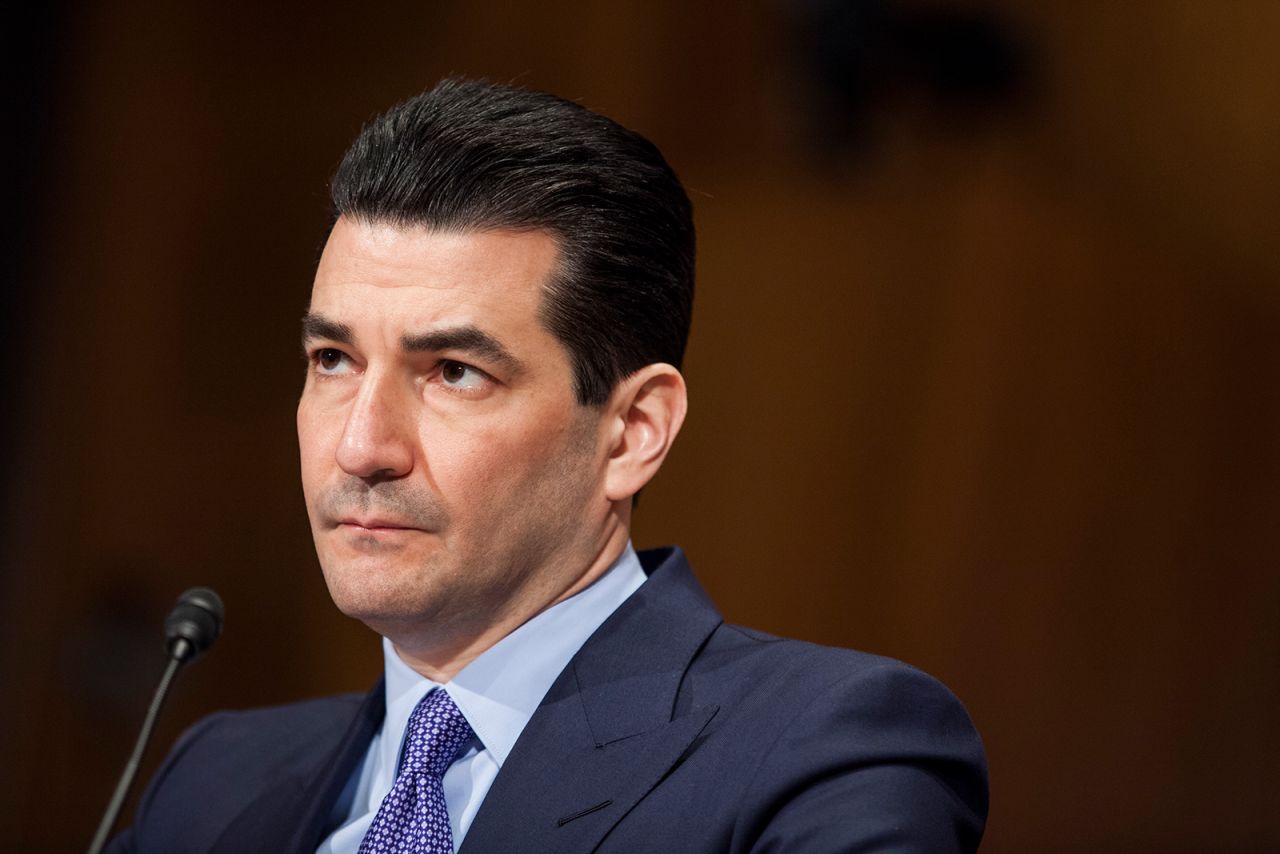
pixel 999 401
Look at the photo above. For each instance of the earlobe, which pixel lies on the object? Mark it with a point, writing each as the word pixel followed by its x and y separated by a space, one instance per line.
pixel 648 410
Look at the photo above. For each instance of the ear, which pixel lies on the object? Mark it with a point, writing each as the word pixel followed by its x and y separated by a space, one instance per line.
pixel 645 413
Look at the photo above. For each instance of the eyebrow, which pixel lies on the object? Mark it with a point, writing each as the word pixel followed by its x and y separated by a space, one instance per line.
pixel 467 339
pixel 318 326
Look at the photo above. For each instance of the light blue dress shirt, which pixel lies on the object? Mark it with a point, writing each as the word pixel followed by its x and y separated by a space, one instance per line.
pixel 497 693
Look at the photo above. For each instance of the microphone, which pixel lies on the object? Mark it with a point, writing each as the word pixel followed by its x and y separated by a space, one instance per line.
pixel 193 624
pixel 191 628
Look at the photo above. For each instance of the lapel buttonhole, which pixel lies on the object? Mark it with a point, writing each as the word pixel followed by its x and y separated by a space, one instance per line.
pixel 580 813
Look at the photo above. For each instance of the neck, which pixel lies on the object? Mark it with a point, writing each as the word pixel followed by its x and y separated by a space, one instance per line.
pixel 440 659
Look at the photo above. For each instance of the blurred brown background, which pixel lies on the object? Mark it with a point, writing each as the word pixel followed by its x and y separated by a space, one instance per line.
pixel 984 367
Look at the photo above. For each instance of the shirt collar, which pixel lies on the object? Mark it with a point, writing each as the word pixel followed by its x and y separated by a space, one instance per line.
pixel 499 691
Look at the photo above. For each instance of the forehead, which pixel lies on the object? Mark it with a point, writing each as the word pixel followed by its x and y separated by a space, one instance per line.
pixel 411 276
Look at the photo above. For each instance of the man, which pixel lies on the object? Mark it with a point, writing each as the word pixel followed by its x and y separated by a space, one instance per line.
pixel 494 341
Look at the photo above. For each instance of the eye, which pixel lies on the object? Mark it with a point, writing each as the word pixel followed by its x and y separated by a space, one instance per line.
pixel 460 375
pixel 329 361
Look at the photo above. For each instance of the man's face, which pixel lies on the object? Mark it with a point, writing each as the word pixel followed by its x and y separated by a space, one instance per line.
pixel 451 478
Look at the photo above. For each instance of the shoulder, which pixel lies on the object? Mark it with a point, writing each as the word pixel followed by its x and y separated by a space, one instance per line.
pixel 844 743
pixel 895 710
pixel 220 764
pixel 798 672
pixel 286 734
pixel 301 721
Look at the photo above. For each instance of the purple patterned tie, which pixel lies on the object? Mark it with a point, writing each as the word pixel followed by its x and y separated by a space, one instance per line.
pixel 413 817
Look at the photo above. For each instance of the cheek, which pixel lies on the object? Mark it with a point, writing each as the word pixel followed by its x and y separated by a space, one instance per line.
pixel 470 467
pixel 494 467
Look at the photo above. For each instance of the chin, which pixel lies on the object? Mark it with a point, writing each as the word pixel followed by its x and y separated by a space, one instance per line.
pixel 375 593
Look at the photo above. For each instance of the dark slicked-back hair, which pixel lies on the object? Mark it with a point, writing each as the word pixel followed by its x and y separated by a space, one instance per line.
pixel 476 156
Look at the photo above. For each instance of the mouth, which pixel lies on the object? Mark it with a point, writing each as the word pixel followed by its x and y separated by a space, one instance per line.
pixel 375 525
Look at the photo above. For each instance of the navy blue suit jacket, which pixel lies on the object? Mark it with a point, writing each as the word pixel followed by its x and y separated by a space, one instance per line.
pixel 669 731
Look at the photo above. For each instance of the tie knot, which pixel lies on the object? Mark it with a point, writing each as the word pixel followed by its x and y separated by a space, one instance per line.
pixel 436 731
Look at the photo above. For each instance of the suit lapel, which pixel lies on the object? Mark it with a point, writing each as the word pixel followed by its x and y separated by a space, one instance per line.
pixel 292 815
pixel 605 734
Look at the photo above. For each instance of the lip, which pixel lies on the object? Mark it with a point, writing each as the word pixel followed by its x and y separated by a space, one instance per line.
pixel 376 524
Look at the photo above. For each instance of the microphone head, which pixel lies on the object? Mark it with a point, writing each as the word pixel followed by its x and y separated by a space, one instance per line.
pixel 193 624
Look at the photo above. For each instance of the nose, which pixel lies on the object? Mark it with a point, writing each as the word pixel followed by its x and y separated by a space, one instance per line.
pixel 378 438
